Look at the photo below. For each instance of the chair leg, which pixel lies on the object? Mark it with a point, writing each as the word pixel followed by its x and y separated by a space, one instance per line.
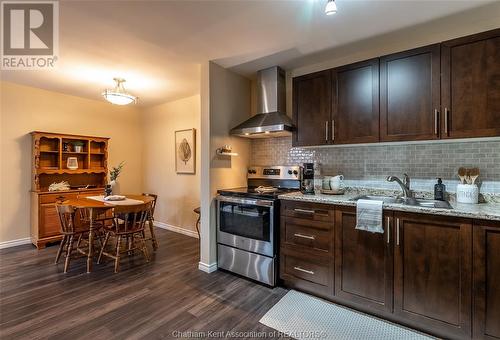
pixel 198 227
pixel 61 247
pixel 129 244
pixel 153 236
pixel 145 249
pixel 106 238
pixel 78 241
pixel 117 259
pixel 68 253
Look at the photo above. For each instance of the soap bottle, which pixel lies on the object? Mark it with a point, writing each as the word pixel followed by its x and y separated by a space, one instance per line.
pixel 439 190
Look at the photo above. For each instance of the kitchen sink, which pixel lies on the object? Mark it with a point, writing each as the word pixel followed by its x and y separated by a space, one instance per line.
pixel 417 202
pixel 385 199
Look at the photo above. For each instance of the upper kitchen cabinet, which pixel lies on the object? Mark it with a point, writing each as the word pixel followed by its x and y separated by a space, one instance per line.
pixel 410 94
pixel 355 102
pixel 470 86
pixel 312 99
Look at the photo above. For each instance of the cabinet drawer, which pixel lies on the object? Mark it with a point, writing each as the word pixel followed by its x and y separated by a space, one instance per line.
pixel 308 211
pixel 313 235
pixel 90 193
pixel 57 197
pixel 49 221
pixel 305 269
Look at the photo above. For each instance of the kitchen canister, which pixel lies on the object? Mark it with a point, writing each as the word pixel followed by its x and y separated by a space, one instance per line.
pixel 467 193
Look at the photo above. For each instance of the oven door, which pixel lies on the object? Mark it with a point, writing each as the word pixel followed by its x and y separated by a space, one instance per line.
pixel 246 224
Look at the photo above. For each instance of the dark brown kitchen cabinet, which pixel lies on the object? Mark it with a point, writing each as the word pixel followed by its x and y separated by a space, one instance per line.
pixel 312 109
pixel 470 86
pixel 355 103
pixel 486 254
pixel 433 274
pixel 363 262
pixel 306 247
pixel 410 94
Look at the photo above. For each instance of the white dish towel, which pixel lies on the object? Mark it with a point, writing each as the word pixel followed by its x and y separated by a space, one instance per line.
pixel 369 216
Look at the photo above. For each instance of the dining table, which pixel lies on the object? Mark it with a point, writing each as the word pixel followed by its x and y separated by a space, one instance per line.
pixel 95 204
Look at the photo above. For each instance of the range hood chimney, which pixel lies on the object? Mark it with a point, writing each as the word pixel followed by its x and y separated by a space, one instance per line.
pixel 271 119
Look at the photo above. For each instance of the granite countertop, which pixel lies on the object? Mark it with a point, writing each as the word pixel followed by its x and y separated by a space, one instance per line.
pixel 486 211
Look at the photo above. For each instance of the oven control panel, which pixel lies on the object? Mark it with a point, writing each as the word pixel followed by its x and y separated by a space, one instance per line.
pixel 274 172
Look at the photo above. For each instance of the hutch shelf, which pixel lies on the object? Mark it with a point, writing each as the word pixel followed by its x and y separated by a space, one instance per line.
pixel 50 153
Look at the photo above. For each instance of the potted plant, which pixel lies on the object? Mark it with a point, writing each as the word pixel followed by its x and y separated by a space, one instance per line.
pixel 113 176
pixel 78 146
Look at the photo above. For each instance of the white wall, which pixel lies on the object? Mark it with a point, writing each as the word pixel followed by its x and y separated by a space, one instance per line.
pixel 24 109
pixel 178 194
pixel 225 102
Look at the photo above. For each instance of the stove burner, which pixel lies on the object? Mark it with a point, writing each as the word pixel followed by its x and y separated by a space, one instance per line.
pixel 265 189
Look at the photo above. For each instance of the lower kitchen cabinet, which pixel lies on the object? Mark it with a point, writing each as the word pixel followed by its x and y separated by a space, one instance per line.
pixel 306 247
pixel 306 272
pixel 363 262
pixel 433 273
pixel 486 250
pixel 437 274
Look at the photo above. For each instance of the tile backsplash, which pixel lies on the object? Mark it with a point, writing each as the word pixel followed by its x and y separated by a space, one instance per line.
pixel 369 165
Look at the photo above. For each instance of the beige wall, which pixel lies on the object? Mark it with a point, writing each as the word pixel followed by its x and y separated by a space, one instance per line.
pixel 225 104
pixel 178 194
pixel 24 109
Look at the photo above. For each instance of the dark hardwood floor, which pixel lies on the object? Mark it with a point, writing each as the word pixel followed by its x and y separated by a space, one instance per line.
pixel 144 301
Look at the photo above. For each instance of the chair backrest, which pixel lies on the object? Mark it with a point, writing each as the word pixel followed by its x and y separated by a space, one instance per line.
pixel 132 217
pixel 153 205
pixel 66 215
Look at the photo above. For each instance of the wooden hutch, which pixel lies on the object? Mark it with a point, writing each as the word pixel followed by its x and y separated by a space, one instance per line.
pixel 50 152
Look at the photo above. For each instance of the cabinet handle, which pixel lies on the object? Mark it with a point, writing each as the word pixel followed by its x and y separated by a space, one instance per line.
pixel 436 114
pixel 326 131
pixel 333 130
pixel 309 237
pixel 304 211
pixel 304 270
pixel 446 120
pixel 388 229
pixel 397 231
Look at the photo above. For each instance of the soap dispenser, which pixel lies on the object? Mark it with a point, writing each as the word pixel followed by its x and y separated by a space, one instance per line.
pixel 439 190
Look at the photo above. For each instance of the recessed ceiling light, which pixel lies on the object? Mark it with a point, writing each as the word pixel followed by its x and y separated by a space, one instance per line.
pixel 331 7
pixel 118 95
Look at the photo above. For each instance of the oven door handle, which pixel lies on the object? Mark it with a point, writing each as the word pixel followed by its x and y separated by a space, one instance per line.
pixel 239 200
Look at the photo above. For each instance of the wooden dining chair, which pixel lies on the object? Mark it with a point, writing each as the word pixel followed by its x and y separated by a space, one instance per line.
pixel 152 236
pixel 73 228
pixel 128 225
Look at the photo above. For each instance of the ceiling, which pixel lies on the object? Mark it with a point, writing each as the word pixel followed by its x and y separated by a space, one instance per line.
pixel 158 46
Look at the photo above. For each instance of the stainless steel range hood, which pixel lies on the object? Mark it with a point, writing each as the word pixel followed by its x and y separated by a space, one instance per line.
pixel 271 120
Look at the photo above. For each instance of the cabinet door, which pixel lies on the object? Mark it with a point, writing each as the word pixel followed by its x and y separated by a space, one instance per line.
pixel 486 253
pixel 312 108
pixel 363 262
pixel 356 103
pixel 49 224
pixel 433 278
pixel 409 94
pixel 471 86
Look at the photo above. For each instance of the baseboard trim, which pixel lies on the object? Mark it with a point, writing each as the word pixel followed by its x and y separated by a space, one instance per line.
pixel 207 268
pixel 14 243
pixel 176 229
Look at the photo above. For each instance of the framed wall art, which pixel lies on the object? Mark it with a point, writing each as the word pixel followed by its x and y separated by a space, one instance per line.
pixel 185 151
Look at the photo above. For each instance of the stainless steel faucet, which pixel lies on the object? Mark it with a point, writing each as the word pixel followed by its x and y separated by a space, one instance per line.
pixel 404 184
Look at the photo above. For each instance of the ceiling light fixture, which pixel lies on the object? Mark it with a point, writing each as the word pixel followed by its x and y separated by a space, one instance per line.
pixel 118 95
pixel 331 7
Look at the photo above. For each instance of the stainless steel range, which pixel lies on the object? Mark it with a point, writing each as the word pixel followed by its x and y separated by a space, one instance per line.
pixel 248 222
